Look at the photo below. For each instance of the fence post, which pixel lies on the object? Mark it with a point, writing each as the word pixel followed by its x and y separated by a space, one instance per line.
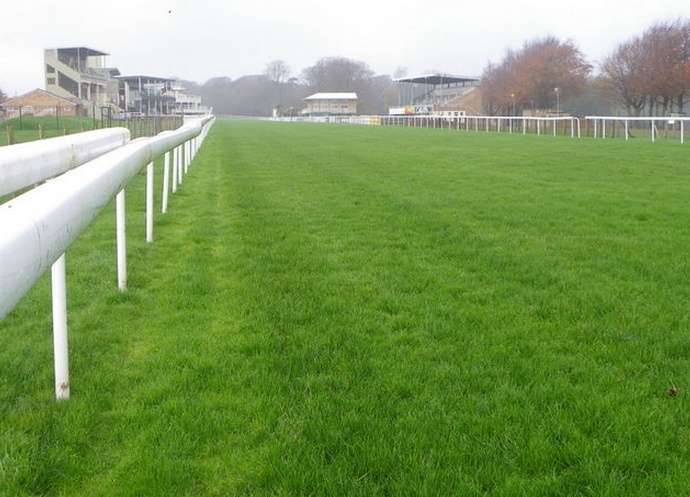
pixel 166 181
pixel 149 202
pixel 60 342
pixel 121 241
pixel 180 164
pixel 682 132
pixel 174 170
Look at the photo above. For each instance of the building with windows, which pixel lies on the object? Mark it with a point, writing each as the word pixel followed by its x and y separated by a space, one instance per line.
pixel 438 94
pixel 146 95
pixel 40 103
pixel 186 103
pixel 329 104
pixel 81 73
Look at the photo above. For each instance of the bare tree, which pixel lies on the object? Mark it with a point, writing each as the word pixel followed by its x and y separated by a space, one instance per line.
pixel 3 96
pixel 651 72
pixel 400 72
pixel 530 76
pixel 277 71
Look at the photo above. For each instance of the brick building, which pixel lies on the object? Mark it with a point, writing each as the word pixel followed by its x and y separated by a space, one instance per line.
pixel 40 103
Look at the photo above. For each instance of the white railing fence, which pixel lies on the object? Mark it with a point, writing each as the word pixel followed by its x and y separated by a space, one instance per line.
pixel 87 171
pixel 597 126
pixel 638 126
pixel 509 124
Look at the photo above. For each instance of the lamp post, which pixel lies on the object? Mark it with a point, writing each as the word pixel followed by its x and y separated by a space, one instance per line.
pixel 557 91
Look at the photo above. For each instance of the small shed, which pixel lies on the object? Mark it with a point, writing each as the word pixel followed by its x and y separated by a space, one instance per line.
pixel 39 103
pixel 327 104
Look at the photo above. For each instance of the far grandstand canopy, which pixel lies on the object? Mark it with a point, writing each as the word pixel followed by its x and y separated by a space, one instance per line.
pixel 439 78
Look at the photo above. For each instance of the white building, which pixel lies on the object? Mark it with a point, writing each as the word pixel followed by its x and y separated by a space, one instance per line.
pixel 329 104
pixel 186 103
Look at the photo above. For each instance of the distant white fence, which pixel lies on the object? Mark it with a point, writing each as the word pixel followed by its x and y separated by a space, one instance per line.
pixel 38 226
pixel 675 124
pixel 507 124
pixel 571 126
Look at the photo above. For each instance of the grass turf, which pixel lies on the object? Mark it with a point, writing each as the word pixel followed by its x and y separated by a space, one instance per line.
pixel 28 129
pixel 335 310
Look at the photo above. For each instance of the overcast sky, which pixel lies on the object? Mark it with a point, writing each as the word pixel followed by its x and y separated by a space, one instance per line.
pixel 204 38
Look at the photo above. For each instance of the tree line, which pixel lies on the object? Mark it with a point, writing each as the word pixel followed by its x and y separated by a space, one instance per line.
pixel 646 75
pixel 278 87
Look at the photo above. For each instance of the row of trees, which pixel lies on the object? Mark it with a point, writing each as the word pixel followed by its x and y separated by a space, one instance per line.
pixel 534 77
pixel 647 74
pixel 278 87
pixel 651 72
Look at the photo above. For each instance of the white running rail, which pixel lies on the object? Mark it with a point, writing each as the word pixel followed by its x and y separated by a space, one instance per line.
pixel 507 124
pixel 26 164
pixel 651 123
pixel 39 226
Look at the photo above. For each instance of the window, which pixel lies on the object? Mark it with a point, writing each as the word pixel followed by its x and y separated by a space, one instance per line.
pixel 50 81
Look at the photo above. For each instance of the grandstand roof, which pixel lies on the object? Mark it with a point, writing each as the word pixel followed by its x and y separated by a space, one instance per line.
pixel 438 78
pixel 332 96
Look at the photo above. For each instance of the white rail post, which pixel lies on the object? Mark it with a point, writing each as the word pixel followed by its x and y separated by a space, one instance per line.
pixel 524 126
pixel 653 132
pixel 572 128
pixel 187 156
pixel 627 135
pixel 166 182
pixel 603 128
pixel 180 158
pixel 174 170
pixel 554 127
pixel 538 127
pixel 121 241
pixel 149 202
pixel 60 342
pixel 682 132
pixel 595 128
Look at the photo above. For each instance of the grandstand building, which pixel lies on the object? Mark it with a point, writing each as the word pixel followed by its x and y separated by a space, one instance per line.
pixel 80 74
pixel 330 104
pixel 438 93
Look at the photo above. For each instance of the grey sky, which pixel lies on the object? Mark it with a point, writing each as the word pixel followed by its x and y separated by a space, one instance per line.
pixel 202 39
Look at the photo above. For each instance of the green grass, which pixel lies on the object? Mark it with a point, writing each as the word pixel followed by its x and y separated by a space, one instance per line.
pixel 356 311
pixel 27 130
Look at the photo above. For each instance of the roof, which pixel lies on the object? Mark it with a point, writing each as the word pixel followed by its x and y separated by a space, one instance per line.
pixel 17 100
pixel 332 96
pixel 83 50
pixel 438 78
pixel 150 78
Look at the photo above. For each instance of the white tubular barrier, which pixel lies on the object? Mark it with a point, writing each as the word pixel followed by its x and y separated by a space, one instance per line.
pixel 39 225
pixel 599 123
pixel 26 164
